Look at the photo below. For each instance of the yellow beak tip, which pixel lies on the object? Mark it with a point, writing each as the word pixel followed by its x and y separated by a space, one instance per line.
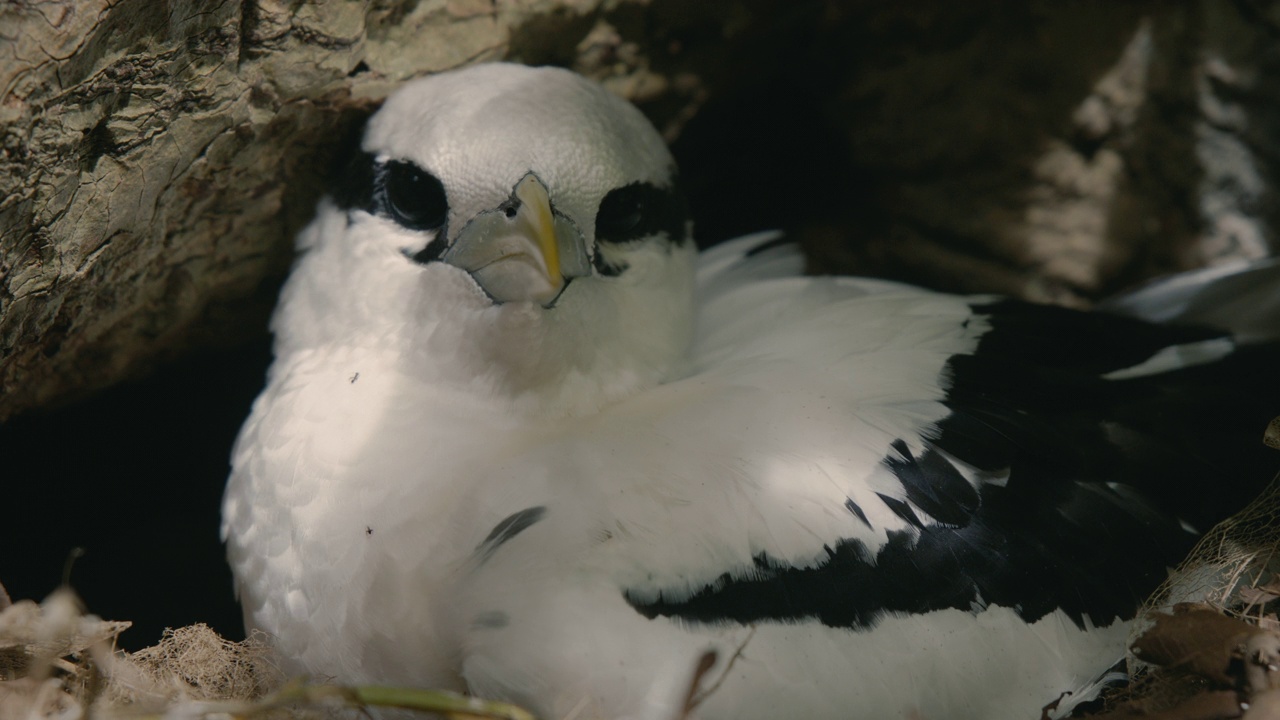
pixel 535 206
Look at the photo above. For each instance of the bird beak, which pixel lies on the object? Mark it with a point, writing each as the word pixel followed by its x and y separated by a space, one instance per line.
pixel 521 250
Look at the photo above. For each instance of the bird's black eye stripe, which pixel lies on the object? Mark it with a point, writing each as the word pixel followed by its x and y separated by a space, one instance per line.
pixel 398 189
pixel 641 210
pixel 411 196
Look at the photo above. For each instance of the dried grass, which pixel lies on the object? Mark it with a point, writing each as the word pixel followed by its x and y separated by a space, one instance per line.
pixel 58 663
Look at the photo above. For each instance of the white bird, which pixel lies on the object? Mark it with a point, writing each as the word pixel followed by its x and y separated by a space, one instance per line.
pixel 520 439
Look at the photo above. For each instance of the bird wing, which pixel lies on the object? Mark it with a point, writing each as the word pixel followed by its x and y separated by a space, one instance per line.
pixel 879 448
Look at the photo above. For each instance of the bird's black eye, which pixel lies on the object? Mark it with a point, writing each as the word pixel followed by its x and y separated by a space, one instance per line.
pixel 621 213
pixel 414 197
pixel 640 210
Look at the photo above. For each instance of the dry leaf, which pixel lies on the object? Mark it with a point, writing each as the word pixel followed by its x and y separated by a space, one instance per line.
pixel 1264 706
pixel 1262 663
pixel 1197 640
pixel 1271 438
pixel 1216 705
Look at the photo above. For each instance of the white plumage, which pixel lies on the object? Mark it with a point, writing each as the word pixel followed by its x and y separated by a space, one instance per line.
pixel 503 449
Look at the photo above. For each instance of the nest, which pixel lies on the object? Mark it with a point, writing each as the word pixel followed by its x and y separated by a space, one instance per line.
pixel 1207 644
pixel 59 663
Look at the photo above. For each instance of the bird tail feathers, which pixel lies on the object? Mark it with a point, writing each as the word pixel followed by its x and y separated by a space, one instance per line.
pixel 1243 298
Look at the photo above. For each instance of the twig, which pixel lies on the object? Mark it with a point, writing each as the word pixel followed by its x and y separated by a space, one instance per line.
pixel 301 693
pixel 697 696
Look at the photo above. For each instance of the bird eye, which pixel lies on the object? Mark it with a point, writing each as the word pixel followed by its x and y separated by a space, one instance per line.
pixel 414 197
pixel 620 214
pixel 641 210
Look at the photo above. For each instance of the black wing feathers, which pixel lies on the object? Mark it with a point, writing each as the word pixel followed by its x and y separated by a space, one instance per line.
pixel 1088 480
pixel 934 485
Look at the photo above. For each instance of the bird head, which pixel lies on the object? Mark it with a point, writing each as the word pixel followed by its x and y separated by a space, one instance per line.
pixel 517 224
